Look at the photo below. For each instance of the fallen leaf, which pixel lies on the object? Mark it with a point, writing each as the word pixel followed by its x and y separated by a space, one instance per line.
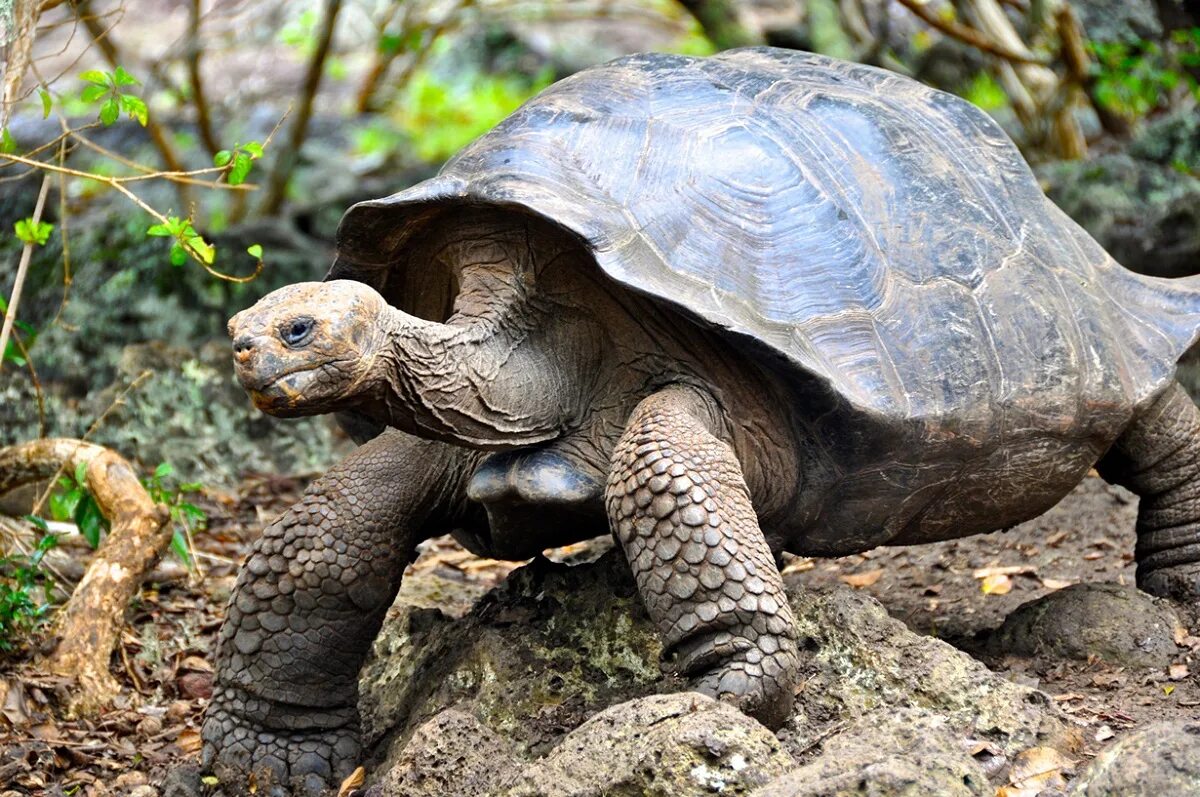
pixel 1055 583
pixel 1108 680
pixel 997 584
pixel 195 663
pixel 1093 556
pixel 864 579
pixel 801 564
pixel 352 782
pixel 189 741
pixel 1177 672
pixel 1038 769
pixel 1055 539
pixel 196 684
pixel 1104 733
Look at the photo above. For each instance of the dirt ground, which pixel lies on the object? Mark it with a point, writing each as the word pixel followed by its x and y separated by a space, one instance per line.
pixel 953 590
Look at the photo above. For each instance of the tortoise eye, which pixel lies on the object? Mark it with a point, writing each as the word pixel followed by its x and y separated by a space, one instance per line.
pixel 298 332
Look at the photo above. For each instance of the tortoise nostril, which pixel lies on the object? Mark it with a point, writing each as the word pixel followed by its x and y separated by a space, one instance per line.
pixel 243 345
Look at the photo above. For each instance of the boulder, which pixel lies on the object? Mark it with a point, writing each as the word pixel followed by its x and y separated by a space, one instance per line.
pixel 1158 760
pixel 1119 624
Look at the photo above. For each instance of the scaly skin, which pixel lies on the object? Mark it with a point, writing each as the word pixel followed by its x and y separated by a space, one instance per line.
pixel 308 602
pixel 678 504
pixel 1158 458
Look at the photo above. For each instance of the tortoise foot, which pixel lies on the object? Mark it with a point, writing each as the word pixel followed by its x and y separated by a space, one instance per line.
pixel 758 676
pixel 1177 582
pixel 247 756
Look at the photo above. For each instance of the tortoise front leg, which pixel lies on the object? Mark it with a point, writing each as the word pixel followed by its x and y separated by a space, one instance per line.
pixel 309 601
pixel 679 506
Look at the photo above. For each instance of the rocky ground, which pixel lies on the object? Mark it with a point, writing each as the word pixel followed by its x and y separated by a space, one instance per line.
pixel 544 680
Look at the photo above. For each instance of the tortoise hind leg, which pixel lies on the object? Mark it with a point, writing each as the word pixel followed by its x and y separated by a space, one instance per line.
pixel 1158 458
pixel 679 506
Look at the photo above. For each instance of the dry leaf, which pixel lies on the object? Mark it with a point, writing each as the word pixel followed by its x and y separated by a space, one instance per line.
pixel 352 782
pixel 1055 583
pixel 998 584
pixel 864 579
pixel 801 564
pixel 1104 733
pixel 189 741
pixel 1177 672
pixel 1093 556
pixel 1038 769
pixel 196 663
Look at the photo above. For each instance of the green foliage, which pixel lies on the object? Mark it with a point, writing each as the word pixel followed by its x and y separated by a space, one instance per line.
pixel 74 503
pixel 442 115
pixel 7 142
pixel 187 241
pixel 1135 78
pixel 12 352
pixel 33 233
pixel 22 610
pixel 240 161
pixel 983 91
pixel 185 516
pixel 105 88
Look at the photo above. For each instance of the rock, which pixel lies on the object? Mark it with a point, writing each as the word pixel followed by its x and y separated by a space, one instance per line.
pixel 453 753
pixel 1158 760
pixel 1118 20
pixel 1119 624
pixel 659 746
pixel 865 664
pixel 560 660
pixel 907 752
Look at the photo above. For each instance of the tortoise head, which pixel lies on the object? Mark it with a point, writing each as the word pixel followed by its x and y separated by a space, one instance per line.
pixel 308 348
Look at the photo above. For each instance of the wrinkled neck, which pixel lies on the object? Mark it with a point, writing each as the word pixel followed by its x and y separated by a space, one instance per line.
pixel 478 381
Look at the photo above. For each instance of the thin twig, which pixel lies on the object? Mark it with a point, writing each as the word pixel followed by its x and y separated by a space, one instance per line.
pixel 969 35
pixel 39 396
pixel 199 99
pixel 286 161
pixel 14 299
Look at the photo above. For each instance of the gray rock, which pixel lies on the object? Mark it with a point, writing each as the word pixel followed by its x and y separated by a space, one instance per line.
pixel 1156 761
pixel 1119 624
pixel 452 753
pixel 865 664
pixel 536 663
pixel 1118 20
pixel 676 745
pixel 906 752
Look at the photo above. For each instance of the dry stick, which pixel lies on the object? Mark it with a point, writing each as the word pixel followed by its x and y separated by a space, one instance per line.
pixel 90 624
pixel 199 100
pixel 22 267
pixel 969 35
pixel 116 183
pixel 39 396
pixel 278 179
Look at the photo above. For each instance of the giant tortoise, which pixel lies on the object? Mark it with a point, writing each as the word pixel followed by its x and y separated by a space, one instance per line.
pixel 722 307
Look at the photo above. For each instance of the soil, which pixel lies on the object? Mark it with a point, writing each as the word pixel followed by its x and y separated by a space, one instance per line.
pixel 955 590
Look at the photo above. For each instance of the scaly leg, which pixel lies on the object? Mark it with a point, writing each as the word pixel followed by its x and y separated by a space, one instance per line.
pixel 1158 458
pixel 309 601
pixel 679 506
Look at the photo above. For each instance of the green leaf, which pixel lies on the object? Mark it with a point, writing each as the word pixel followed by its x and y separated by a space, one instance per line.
pixel 240 169
pixel 109 111
pixel 89 520
pixel 63 505
pixel 40 522
pixel 81 474
pixel 47 103
pixel 203 249
pixel 93 93
pixel 163 470
pixel 209 780
pixel 223 157
pixel 180 547
pixel 159 231
pixel 96 76
pixel 33 234
pixel 135 108
pixel 7 142
pixel 123 78
pixel 253 148
pixel 255 251
pixel 179 255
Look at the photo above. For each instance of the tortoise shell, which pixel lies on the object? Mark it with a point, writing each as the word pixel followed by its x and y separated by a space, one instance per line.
pixel 880 236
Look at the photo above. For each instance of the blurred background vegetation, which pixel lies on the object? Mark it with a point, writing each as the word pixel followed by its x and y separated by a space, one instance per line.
pixel 176 145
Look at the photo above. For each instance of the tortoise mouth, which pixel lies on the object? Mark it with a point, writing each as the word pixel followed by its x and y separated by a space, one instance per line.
pixel 290 390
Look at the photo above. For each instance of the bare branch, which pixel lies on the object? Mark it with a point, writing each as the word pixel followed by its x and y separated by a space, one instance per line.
pixel 968 35
pixel 199 100
pixel 14 298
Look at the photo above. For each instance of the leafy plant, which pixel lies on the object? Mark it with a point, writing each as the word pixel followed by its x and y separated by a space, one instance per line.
pixel 186 516
pixel 33 233
pixel 1135 78
pixel 240 161
pixel 105 88
pixel 12 352
pixel 187 241
pixel 74 503
pixel 21 576
pixel 442 115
